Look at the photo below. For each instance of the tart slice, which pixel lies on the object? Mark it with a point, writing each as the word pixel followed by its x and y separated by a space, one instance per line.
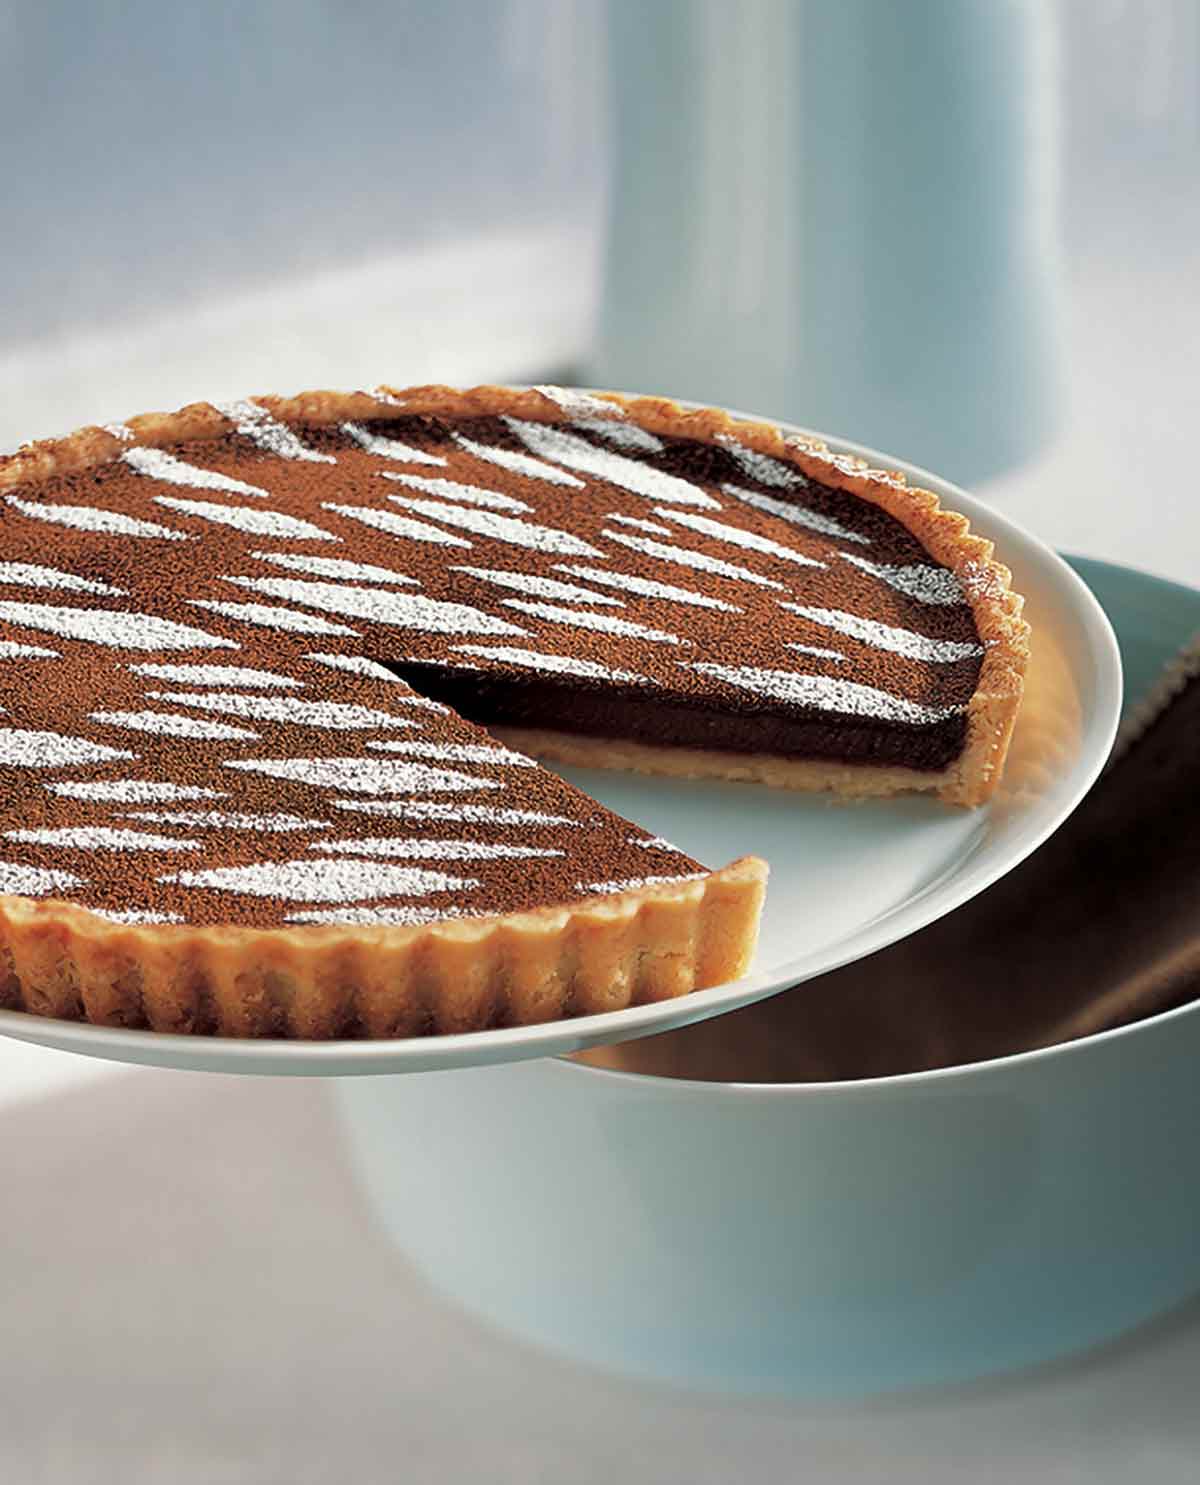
pixel 273 674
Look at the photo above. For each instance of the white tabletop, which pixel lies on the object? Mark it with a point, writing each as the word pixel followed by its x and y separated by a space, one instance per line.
pixel 192 1293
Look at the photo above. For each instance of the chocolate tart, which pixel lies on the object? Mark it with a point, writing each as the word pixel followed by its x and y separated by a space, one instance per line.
pixel 272 674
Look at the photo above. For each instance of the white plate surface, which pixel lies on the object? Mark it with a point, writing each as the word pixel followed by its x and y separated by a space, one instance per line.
pixel 846 880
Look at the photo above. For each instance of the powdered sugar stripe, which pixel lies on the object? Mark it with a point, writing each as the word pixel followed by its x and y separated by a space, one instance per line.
pixel 11 650
pixel 254 422
pixel 538 587
pixel 135 915
pixel 601 623
pixel 35 881
pixel 388 448
pixel 288 711
pixel 443 660
pixel 403 848
pixel 647 588
pixel 518 463
pixel 215 675
pixel 380 606
pixel 33 575
pixel 653 843
pixel 323 880
pixel 761 467
pixel 364 775
pixel 337 567
pixel 578 404
pixel 92 518
pixel 121 630
pixel 550 442
pixel 158 464
pixel 359 665
pixel 249 519
pixel 101 838
pixel 846 463
pixel 817 651
pixel 906 642
pixel 925 583
pixel 502 528
pixel 458 753
pixel 383 917
pixel 751 541
pixel 269 617
pixel 22 747
pixel 633 884
pixel 455 491
pixel 131 791
pixel 826 693
pixel 797 515
pixel 623 435
pixel 562 664
pixel 400 526
pixel 168 724
pixel 229 820
pixel 463 814
pixel 686 557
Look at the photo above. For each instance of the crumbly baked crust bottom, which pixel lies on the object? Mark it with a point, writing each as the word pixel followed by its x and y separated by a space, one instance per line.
pixel 600 954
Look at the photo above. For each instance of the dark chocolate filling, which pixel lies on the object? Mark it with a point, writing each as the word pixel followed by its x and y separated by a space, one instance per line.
pixel 627 714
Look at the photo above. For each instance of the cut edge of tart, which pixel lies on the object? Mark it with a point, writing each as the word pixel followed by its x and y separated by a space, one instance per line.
pixel 590 955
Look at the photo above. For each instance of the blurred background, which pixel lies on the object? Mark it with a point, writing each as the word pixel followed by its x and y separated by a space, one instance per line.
pixel 966 232
pixel 962 231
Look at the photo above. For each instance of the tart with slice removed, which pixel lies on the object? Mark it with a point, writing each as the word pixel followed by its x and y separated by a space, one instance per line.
pixel 274 675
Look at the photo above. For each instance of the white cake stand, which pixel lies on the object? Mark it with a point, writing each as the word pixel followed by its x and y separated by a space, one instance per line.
pixel 846 881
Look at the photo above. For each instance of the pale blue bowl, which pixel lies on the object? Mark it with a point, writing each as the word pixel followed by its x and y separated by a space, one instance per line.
pixel 827 1239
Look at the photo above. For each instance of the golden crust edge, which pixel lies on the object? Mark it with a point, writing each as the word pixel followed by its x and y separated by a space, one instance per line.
pixel 602 953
